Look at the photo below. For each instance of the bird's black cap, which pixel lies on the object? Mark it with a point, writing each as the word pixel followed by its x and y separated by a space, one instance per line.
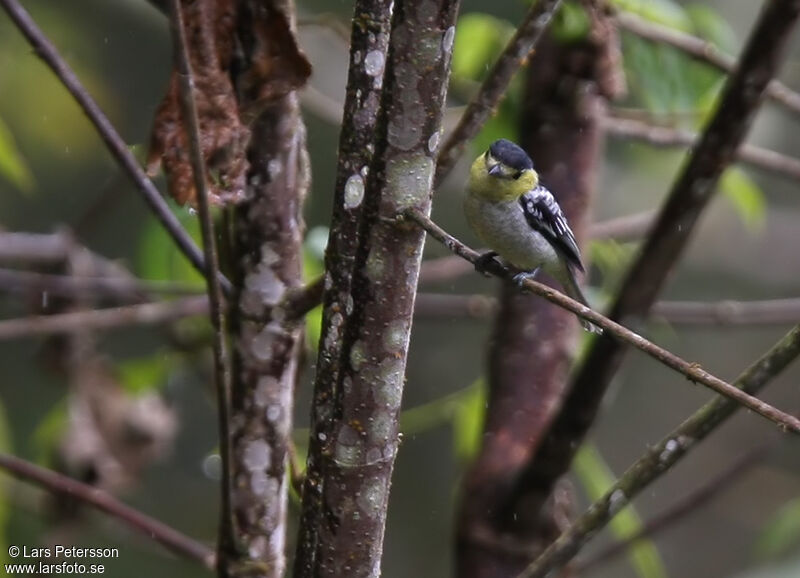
pixel 510 154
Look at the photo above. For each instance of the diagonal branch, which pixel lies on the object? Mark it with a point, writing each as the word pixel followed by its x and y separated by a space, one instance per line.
pixel 663 136
pixel 690 194
pixel 222 364
pixel 661 457
pixel 616 332
pixel 48 53
pixel 494 86
pixel 684 506
pixel 56 483
pixel 703 51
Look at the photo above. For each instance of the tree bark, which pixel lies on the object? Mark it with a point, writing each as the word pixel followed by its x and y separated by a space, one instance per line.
pixel 267 262
pixel 354 442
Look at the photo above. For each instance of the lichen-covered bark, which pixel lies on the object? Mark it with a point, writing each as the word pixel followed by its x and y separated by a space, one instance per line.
pixel 356 452
pixel 534 341
pixel 266 255
pixel 369 43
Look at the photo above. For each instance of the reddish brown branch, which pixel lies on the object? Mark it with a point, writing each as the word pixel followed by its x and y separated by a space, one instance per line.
pixel 56 483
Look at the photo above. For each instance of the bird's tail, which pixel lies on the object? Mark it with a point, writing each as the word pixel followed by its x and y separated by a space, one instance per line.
pixel 574 290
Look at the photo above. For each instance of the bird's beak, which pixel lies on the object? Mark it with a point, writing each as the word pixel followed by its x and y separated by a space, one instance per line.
pixel 496 170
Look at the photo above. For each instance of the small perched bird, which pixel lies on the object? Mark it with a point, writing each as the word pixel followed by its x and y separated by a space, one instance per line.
pixel 520 220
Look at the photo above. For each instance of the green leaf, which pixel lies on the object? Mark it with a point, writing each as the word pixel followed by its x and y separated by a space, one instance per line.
pixel 314 266
pixel 49 431
pixel 159 257
pixel 707 23
pixel 746 197
pixel 146 374
pixel 664 12
pixel 479 40
pixel 571 23
pixel 12 166
pixel 781 534
pixel 464 410
pixel 468 420
pixel 596 478
pixel 612 259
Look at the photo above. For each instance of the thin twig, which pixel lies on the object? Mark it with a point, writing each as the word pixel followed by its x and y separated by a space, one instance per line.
pixel 494 87
pixel 703 51
pixel 663 136
pixel 48 53
pixel 685 505
pixel 692 371
pixel 27 282
pixel 724 313
pixel 103 319
pixel 56 483
pixel 661 457
pixel 222 362
pixel 767 312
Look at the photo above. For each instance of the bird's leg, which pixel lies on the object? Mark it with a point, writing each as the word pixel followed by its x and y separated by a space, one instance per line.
pixel 482 262
pixel 520 278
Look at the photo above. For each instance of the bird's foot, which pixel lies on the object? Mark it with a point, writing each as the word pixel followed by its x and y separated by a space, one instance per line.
pixel 482 262
pixel 520 278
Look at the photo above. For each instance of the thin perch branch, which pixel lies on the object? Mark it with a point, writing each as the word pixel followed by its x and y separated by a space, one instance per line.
pixel 692 371
pixel 222 362
pixel 56 483
pixel 703 51
pixel 495 84
pixel 661 457
pixel 663 136
pixel 48 53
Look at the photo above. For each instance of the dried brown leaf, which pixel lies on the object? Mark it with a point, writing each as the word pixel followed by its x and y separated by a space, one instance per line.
pixel 210 27
pixel 275 64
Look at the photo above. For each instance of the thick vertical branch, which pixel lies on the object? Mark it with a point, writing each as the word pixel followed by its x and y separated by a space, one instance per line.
pixel 532 348
pixel 369 43
pixel 267 245
pixel 356 455
pixel 690 194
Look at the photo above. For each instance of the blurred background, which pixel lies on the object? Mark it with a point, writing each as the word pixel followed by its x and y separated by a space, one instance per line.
pixel 56 175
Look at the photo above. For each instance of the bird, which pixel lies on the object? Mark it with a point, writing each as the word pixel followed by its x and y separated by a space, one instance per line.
pixel 519 219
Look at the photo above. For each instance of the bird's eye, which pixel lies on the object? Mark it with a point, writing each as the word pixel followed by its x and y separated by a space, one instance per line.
pixel 517 175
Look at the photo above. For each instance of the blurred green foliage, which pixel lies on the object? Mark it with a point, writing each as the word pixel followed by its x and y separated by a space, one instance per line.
pixel 12 165
pixel 596 478
pixel 781 534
